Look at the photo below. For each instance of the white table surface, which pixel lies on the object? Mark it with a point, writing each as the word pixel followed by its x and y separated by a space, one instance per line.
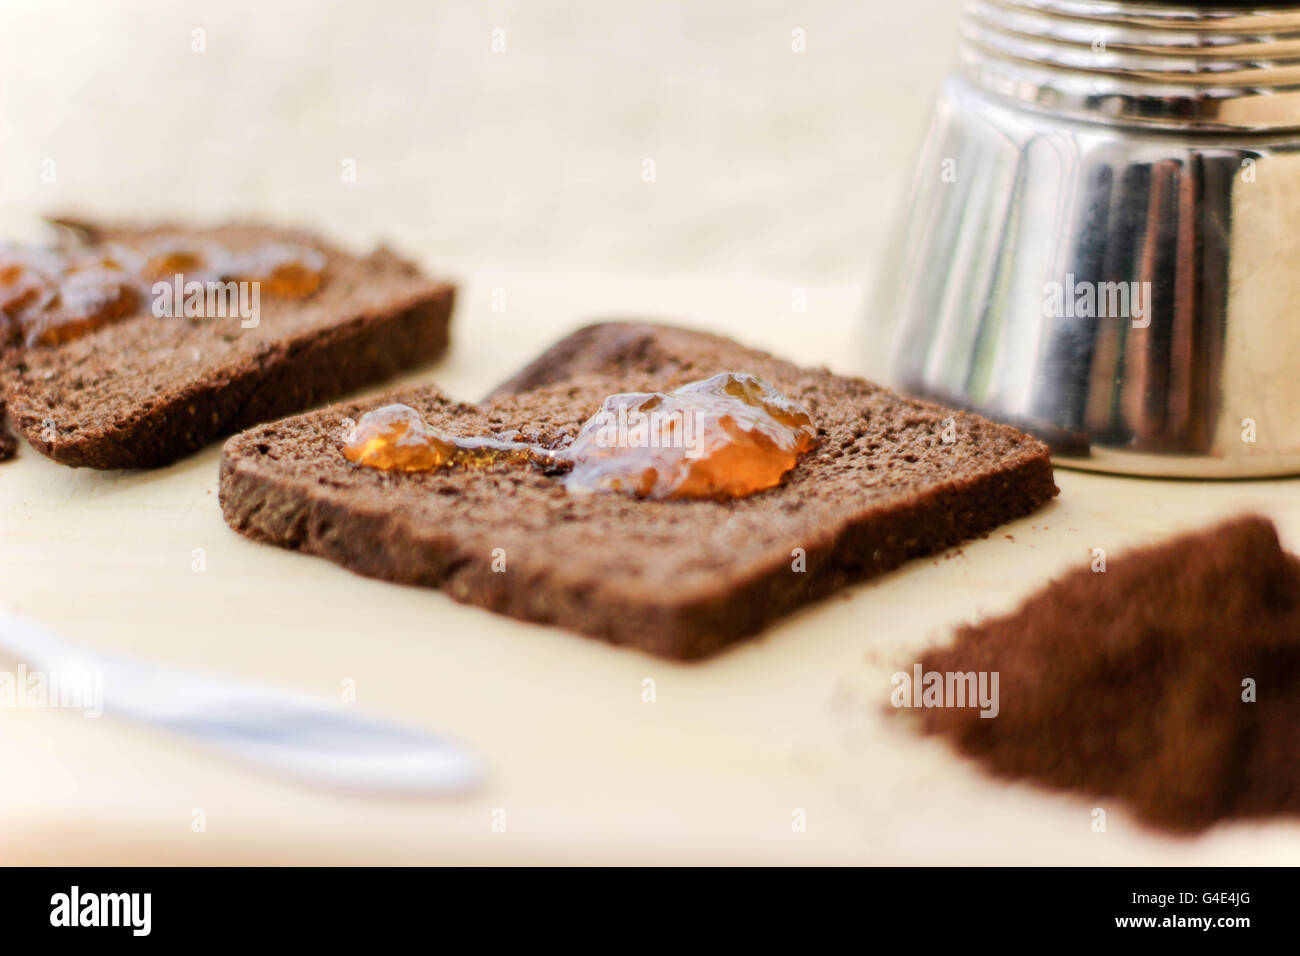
pixel 586 772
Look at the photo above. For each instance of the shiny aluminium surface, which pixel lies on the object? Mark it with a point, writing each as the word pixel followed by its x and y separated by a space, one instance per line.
pixel 286 733
pixel 1128 290
pixel 1162 65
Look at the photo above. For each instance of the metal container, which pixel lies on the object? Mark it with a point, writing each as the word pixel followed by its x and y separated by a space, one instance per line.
pixel 1102 244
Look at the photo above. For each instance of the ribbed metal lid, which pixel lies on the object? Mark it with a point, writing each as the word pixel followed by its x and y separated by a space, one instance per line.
pixel 1222 67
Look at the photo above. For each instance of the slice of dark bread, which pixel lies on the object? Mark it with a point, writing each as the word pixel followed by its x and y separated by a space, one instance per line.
pixel 146 391
pixel 677 578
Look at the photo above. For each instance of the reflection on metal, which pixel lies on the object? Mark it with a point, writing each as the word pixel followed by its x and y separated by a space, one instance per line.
pixel 1103 240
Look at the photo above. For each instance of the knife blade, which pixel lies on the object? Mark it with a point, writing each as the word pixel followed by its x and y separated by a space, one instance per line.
pixel 282 731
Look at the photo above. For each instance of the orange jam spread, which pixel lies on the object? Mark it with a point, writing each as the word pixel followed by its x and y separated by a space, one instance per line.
pixel 52 296
pixel 395 438
pixel 724 437
pixel 289 272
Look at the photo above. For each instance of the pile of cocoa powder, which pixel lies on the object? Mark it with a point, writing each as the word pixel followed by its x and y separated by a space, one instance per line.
pixel 1171 681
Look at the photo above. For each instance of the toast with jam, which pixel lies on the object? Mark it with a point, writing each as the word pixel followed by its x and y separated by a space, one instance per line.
pixel 131 347
pixel 659 551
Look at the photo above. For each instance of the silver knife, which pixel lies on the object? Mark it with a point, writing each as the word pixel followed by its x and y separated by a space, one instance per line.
pixel 283 731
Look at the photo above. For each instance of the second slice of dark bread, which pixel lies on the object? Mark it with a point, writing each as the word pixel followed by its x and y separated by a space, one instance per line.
pixel 681 578
pixel 146 391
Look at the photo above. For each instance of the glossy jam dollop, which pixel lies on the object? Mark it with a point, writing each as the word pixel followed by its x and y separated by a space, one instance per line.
pixel 289 272
pixel 395 438
pixel 724 437
pixel 52 296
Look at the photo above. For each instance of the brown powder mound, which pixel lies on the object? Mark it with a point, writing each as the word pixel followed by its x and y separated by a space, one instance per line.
pixel 1129 683
pixel 677 578
pixel 145 391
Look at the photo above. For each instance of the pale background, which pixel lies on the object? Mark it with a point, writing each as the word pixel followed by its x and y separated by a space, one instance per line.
pixel 767 162
pixel 522 171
